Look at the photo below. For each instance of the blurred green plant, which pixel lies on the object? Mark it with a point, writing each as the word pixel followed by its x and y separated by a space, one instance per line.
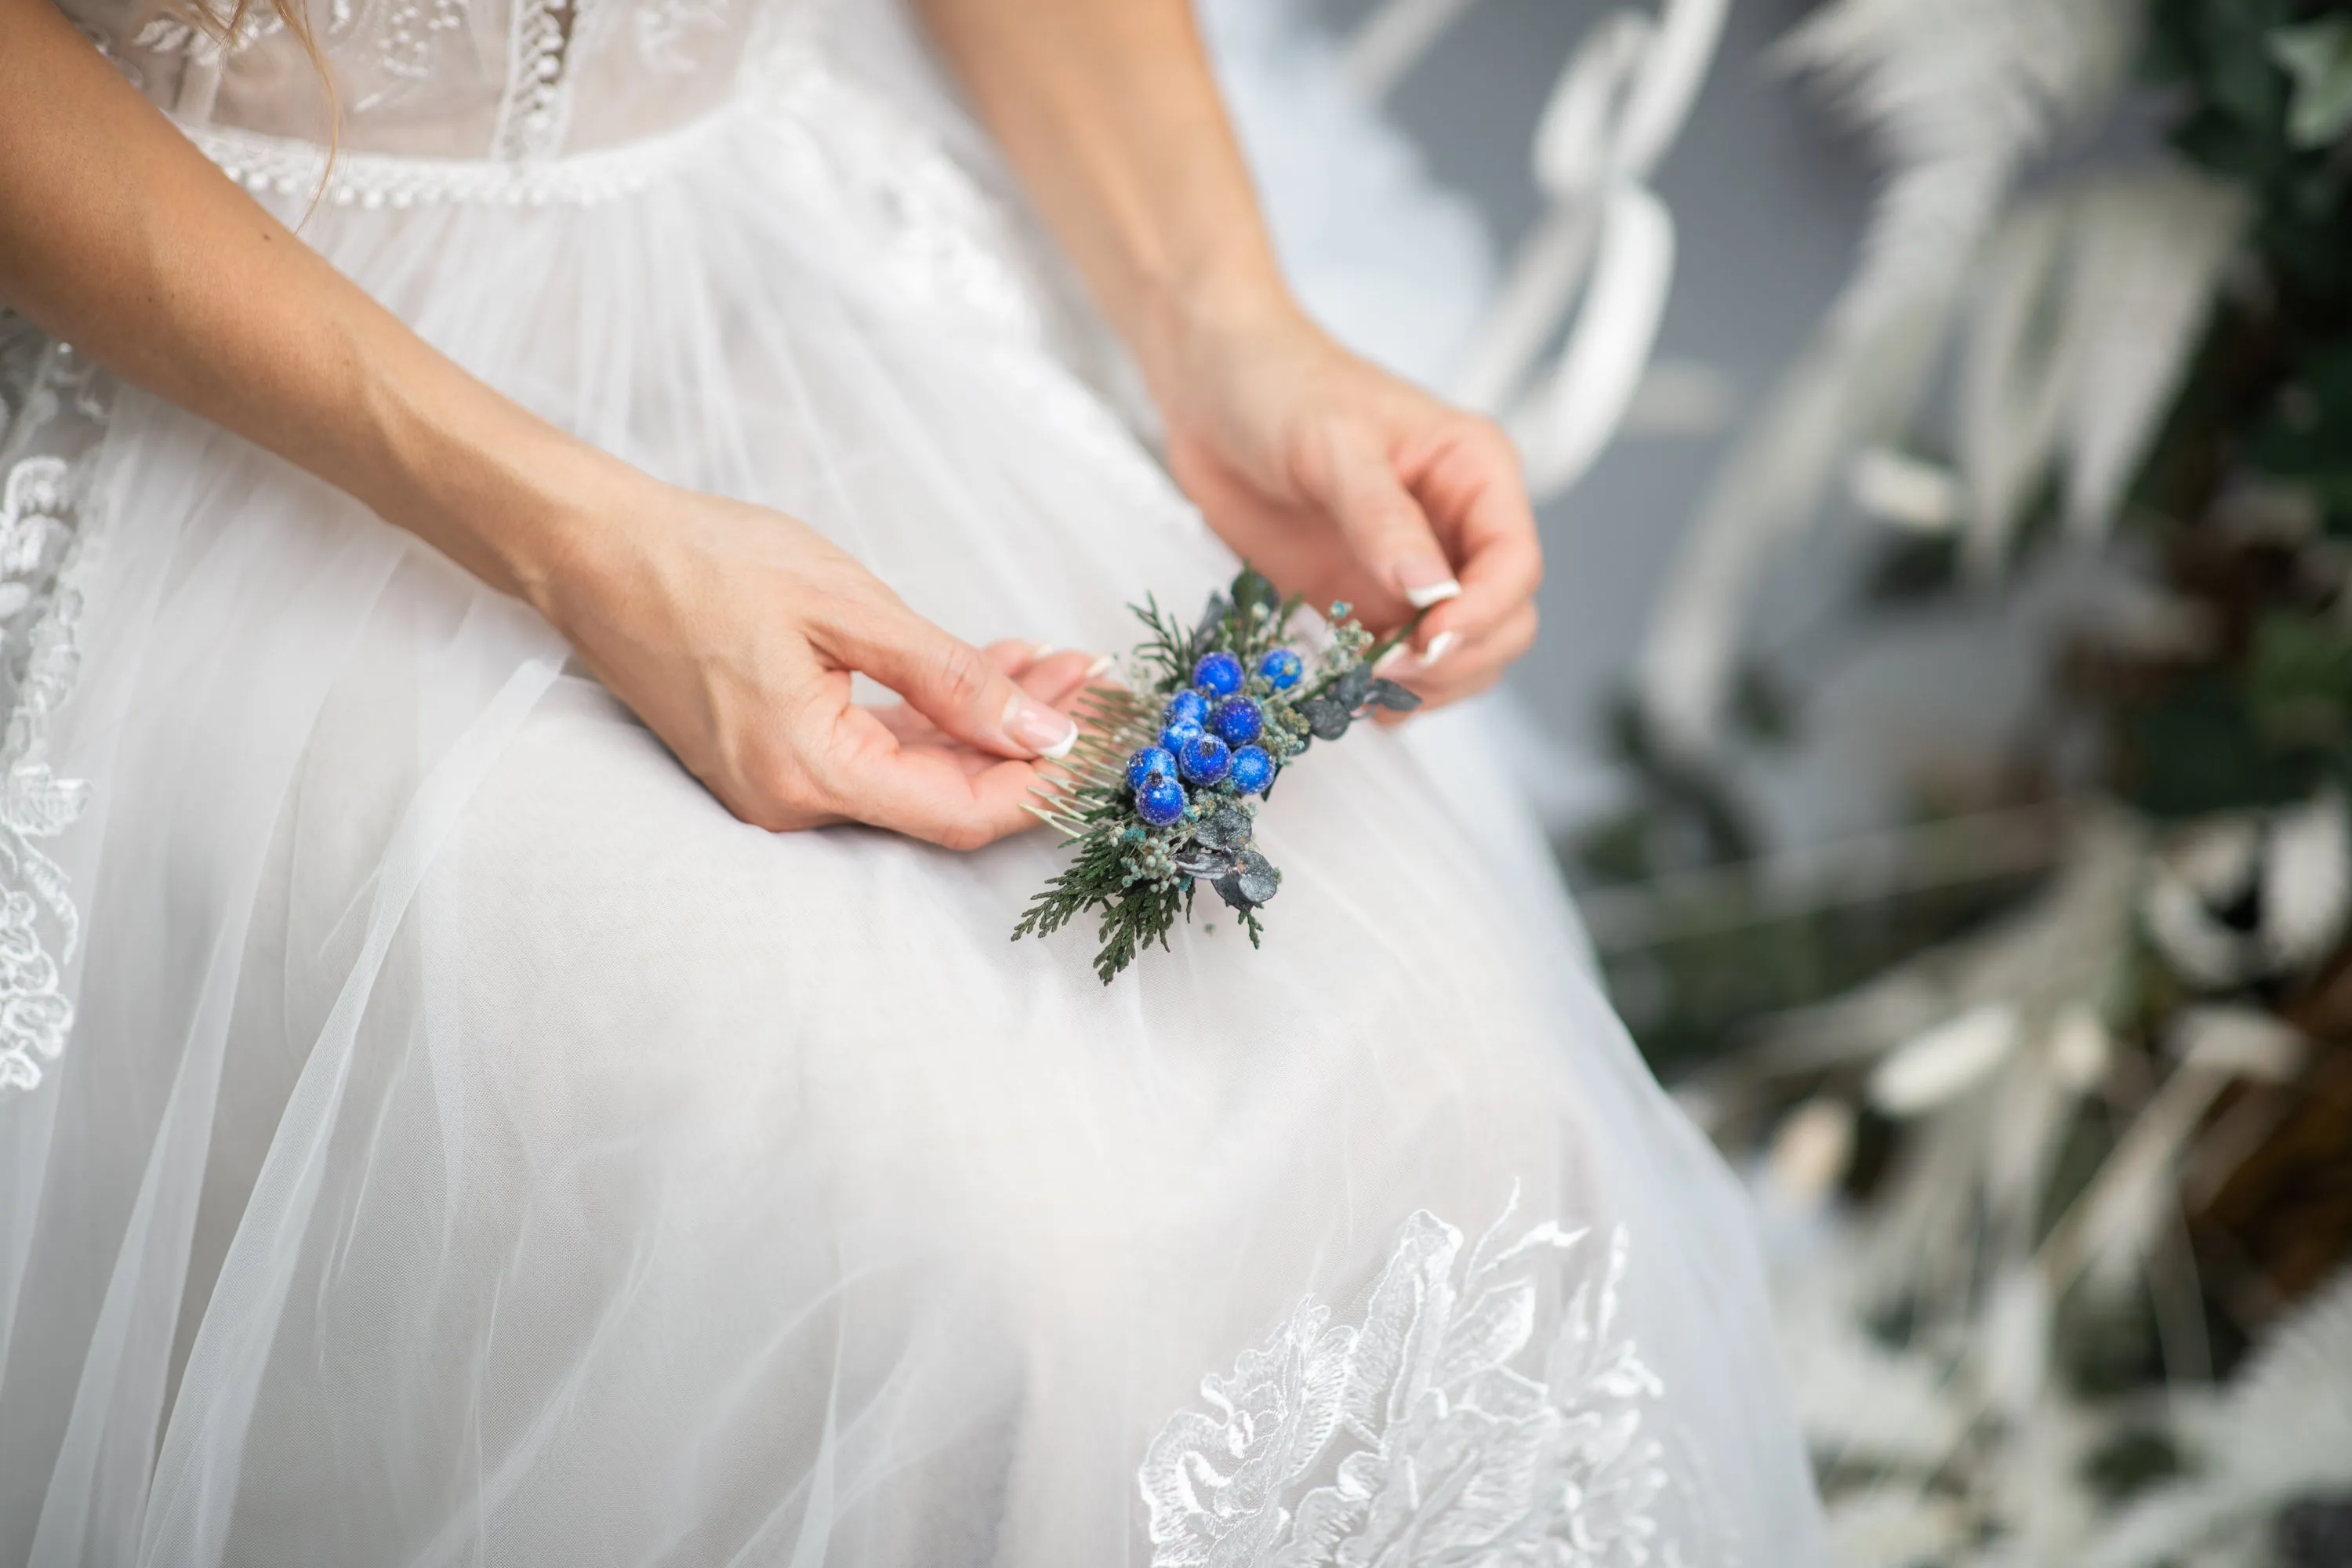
pixel 2134 1022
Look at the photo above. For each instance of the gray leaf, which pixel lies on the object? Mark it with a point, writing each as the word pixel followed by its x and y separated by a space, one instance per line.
pixel 1252 591
pixel 1258 878
pixel 1325 716
pixel 1351 687
pixel 1387 694
pixel 1210 863
pixel 1227 829
pixel 1213 619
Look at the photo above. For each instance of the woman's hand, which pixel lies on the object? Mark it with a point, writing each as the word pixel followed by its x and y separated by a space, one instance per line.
pixel 733 632
pixel 1339 481
pixel 1334 479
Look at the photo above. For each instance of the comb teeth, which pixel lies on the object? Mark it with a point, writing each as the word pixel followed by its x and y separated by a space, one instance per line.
pixel 1112 723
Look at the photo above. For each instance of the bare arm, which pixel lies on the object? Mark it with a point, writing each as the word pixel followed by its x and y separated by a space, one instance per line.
pixel 1109 112
pixel 117 234
pixel 730 629
pixel 1334 478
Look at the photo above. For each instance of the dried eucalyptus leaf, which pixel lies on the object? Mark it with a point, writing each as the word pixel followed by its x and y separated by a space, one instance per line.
pixel 1387 694
pixel 1253 882
pixel 1227 829
pixel 1213 863
pixel 1328 717
pixel 1351 687
pixel 1213 619
pixel 1258 877
pixel 1252 589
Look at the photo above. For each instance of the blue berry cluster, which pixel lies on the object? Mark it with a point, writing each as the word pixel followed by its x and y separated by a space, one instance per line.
pixel 1208 737
pixel 1234 708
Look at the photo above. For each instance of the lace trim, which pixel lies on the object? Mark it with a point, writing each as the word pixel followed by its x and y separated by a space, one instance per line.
pixel 293 167
pixel 50 434
pixel 1438 1430
pixel 400 41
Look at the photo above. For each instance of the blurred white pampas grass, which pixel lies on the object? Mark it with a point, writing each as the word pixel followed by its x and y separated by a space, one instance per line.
pixel 2074 312
pixel 1924 1326
pixel 2283 1430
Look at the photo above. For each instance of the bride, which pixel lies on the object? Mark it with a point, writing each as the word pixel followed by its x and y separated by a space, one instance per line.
pixel 542 543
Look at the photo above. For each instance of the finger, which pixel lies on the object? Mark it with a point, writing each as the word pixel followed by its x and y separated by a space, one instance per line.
pixel 1014 656
pixel 929 792
pixel 947 680
pixel 1471 490
pixel 1468 667
pixel 1057 680
pixel 1052 677
pixel 1346 471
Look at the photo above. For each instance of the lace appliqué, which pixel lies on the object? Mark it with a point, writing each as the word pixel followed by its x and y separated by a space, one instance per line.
pixel 51 430
pixel 400 38
pixel 664 28
pixel 1446 1429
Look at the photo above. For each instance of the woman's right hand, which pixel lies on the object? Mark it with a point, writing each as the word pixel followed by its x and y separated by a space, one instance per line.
pixel 733 630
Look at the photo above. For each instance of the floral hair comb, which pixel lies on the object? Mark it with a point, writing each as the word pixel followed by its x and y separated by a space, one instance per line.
pixel 1164 788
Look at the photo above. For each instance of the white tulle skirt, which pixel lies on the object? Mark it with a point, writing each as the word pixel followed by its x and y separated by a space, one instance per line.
pixel 471 1145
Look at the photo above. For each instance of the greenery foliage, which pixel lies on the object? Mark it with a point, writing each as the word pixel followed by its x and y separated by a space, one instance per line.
pixel 1141 876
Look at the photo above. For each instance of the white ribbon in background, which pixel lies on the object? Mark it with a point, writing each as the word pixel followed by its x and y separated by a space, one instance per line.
pixel 1605 247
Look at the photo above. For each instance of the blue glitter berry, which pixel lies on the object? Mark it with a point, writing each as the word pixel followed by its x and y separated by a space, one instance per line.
pixel 1218 674
pixel 1238 720
pixel 1186 708
pixel 1151 760
pixel 1161 801
pixel 1174 738
pixel 1205 760
pixel 1281 669
pixel 1253 770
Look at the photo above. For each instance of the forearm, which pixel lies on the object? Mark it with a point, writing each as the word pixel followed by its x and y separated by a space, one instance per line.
pixel 118 236
pixel 1107 111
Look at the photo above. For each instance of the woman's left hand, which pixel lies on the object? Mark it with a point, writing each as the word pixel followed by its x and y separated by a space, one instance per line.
pixel 1341 481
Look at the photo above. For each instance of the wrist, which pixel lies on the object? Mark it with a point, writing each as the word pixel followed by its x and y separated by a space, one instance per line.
pixel 515 501
pixel 1182 331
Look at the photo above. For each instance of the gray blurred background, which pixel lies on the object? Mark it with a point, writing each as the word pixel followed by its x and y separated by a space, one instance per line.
pixel 1768 198
pixel 1768 192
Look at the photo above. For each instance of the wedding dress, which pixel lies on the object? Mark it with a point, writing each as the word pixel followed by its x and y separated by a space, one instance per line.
pixel 434 1130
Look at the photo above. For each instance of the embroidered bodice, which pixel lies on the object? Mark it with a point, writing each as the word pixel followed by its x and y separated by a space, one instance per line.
pixel 504 80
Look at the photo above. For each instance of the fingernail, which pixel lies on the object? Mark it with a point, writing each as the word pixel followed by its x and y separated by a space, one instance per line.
pixel 1041 729
pixel 1042 650
pixel 1102 663
pixel 1439 647
pixel 1391 659
pixel 1424 580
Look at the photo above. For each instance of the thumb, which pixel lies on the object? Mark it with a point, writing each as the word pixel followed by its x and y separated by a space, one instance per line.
pixel 1382 523
pixel 952 684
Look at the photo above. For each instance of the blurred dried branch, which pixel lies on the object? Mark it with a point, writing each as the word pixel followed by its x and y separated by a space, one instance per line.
pixel 2049 1105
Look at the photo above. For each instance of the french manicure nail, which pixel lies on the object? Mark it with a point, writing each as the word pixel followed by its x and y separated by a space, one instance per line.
pixel 1101 664
pixel 1425 580
pixel 1041 729
pixel 1042 650
pixel 1439 647
pixel 1391 659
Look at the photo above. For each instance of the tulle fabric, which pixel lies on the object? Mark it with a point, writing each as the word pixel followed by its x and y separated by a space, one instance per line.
pixel 475 1146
